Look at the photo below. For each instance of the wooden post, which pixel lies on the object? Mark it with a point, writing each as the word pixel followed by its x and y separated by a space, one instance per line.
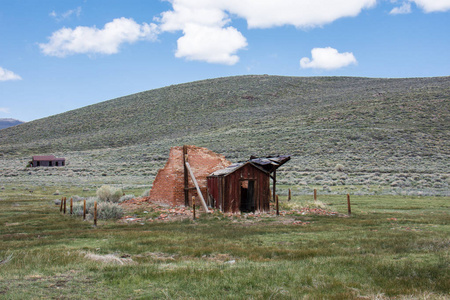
pixel 61 204
pixel 84 209
pixel 193 206
pixel 315 195
pixel 289 196
pixel 199 192
pixel 71 205
pixel 274 184
pixel 186 179
pixel 277 206
pixel 348 205
pixel 65 205
pixel 95 213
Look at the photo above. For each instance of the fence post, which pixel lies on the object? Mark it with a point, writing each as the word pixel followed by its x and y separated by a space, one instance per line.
pixel 193 206
pixel 95 213
pixel 348 205
pixel 84 210
pixel 71 205
pixel 61 204
pixel 276 203
pixel 65 205
pixel 290 195
pixel 315 195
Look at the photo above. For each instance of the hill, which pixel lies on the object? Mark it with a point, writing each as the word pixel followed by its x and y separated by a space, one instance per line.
pixel 8 122
pixel 364 125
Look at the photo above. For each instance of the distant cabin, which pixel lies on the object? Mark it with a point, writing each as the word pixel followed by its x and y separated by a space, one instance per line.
pixel 47 161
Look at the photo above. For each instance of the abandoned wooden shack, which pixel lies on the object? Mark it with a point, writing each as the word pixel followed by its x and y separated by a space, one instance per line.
pixel 47 161
pixel 215 182
pixel 244 187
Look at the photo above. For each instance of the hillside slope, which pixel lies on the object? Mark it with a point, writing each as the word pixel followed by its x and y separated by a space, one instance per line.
pixel 367 125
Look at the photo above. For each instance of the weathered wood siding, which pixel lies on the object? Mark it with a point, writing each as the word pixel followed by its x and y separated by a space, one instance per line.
pixel 225 191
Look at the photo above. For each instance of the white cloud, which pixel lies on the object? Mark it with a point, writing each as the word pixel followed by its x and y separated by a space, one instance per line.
pixel 433 5
pixel 8 75
pixel 88 40
pixel 404 9
pixel 65 15
pixel 4 110
pixel 327 58
pixel 210 44
pixel 196 18
pixel 426 5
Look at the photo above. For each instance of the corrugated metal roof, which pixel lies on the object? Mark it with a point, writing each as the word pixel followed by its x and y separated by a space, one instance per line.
pixel 270 163
pixel 266 164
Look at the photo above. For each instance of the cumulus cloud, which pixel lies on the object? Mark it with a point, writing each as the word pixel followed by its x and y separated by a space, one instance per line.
pixel 210 44
pixel 328 59
pixel 6 75
pixel 90 40
pixel 195 18
pixel 404 9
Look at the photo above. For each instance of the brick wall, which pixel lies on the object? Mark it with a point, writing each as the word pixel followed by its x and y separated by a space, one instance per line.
pixel 168 186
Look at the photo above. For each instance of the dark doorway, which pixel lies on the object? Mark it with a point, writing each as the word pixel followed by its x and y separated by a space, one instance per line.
pixel 247 196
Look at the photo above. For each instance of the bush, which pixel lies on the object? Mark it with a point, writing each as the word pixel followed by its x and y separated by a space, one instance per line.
pixel 78 206
pixel 339 168
pixel 109 194
pixel 106 210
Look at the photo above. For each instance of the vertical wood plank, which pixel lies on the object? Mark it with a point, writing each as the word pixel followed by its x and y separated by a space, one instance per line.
pixel 277 206
pixel 95 213
pixel 193 206
pixel 84 209
pixel 348 205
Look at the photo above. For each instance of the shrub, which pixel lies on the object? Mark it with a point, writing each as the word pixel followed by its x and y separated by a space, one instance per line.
pixel 78 206
pixel 109 194
pixel 339 168
pixel 106 210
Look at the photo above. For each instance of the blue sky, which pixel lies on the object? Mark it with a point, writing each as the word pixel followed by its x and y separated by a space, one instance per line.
pixel 58 55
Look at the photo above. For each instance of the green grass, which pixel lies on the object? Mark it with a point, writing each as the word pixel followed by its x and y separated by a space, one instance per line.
pixel 391 247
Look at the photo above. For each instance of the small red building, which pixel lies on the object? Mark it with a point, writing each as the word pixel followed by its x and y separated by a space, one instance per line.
pixel 47 161
pixel 244 187
pixel 241 187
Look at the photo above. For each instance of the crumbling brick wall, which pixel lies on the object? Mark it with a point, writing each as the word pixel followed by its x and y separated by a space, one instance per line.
pixel 168 186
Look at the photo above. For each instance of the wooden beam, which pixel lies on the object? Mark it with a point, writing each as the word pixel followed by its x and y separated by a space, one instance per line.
pixel 274 184
pixel 186 179
pixel 197 187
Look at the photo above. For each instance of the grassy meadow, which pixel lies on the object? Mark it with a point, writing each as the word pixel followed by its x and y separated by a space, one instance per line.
pixel 384 141
pixel 391 247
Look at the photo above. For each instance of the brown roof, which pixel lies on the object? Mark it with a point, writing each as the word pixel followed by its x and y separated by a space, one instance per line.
pixel 46 158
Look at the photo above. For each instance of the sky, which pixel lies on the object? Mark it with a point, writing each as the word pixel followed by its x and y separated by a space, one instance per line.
pixel 56 56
